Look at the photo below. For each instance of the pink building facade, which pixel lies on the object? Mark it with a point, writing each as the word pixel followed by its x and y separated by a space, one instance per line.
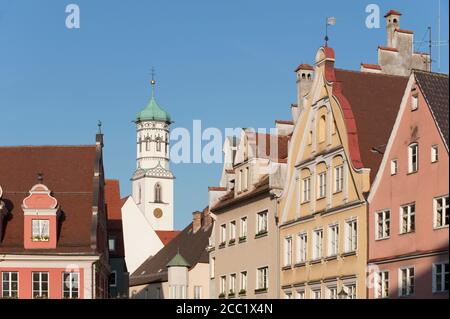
pixel 409 200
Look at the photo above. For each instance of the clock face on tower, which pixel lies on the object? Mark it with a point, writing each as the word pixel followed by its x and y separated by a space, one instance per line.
pixel 158 213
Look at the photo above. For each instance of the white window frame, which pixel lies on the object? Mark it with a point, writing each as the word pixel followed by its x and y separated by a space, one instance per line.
pixel 243 229
pixel 381 286
pixel 385 216
pixel 410 216
pixel 232 230
pixel 74 291
pixel 197 292
pixel 288 251
pixel 445 211
pixel 413 158
pixel 243 281
pixel 300 294
pixel 318 244
pixel 302 246
pixel 442 276
pixel 212 268
pixel 351 235
pixel 394 167
pixel 40 230
pixel 333 240
pixel 332 291
pixel 232 284
pixel 223 233
pixel 316 292
pixel 112 242
pixel 223 285
pixel 414 102
pixel 262 225
pixel 351 289
pixel 322 185
pixel 339 178
pixel 434 154
pixel 408 281
pixel 40 282
pixel 10 292
pixel 262 278
pixel 306 186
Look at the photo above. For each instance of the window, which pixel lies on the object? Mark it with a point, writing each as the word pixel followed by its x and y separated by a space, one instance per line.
pixel 413 158
pixel 262 223
pixel 407 218
pixel 158 144
pixel 223 234
pixel 10 285
pixel 178 292
pixel 322 187
pixel 40 285
pixel 414 102
pixel 382 284
pixel 239 188
pixel 350 289
pixel 212 267
pixel 351 237
pixel 322 128
pixel 243 228
pixel 288 295
pixel 40 229
pixel 113 279
pixel 243 281
pixel 147 143
pixel 383 224
pixel 434 154
pixel 333 240
pixel 287 251
pixel 316 293
pixel 158 197
pixel 223 285
pixel 310 137
pixel 197 292
pixel 232 287
pixel 406 278
pixel 262 278
pixel 338 178
pixel 112 244
pixel 317 242
pixel 333 127
pixel 232 231
pixel 302 248
pixel 139 194
pixel 441 211
pixel 245 179
pixel 332 292
pixel 71 285
pixel 306 189
pixel 301 294
pixel 440 277
pixel 394 167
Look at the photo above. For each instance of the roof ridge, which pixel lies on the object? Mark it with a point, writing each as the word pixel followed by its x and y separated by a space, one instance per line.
pixel 372 74
pixel 445 75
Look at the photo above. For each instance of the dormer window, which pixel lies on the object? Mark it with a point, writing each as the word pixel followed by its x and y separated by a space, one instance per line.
pixel 40 229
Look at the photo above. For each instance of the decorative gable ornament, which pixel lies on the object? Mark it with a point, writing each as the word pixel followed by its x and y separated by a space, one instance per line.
pixel 40 198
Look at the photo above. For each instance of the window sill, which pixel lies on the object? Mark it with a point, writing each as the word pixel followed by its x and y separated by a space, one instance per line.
pixel 260 235
pixel 316 261
pixel 333 257
pixel 232 242
pixel 337 192
pixel 412 173
pixel 261 291
pixel 301 264
pixel 320 198
pixel 384 238
pixel 407 233
pixel 242 240
pixel 440 227
pixel 288 267
pixel 221 246
pixel 349 253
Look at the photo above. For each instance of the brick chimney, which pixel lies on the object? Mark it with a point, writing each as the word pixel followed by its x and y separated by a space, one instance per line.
pixel 196 221
pixel 392 24
pixel 207 219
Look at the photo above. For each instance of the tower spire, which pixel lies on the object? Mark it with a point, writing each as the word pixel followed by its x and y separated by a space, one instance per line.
pixel 153 82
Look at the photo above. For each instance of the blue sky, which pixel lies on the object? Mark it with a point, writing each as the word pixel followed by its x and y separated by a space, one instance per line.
pixel 228 63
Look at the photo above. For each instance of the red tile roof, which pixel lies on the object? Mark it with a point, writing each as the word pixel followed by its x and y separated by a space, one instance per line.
pixel 68 171
pixel 392 12
pixel 371 66
pixel 262 145
pixel 217 188
pixel 166 236
pixel 304 66
pixel 112 198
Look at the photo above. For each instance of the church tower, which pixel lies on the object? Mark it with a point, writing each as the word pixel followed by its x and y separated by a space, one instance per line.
pixel 152 181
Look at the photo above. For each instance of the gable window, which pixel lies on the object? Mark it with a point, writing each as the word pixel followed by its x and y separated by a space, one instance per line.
pixel 351 237
pixel 434 154
pixel 440 277
pixel 261 223
pixel 441 211
pixel 338 178
pixel 382 284
pixel 383 224
pixel 287 251
pixel 322 128
pixel 407 218
pixel 306 190
pixel 71 285
pixel 406 281
pixel 243 229
pixel 302 248
pixel 394 167
pixel 322 187
pixel 158 191
pixel 414 102
pixel 223 234
pixel 318 244
pixel 413 158
pixel 262 278
pixel 333 240
pixel 40 229
pixel 40 285
pixel 10 284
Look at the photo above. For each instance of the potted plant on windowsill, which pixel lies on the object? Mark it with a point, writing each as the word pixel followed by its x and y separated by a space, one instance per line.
pixel 222 295
pixel 261 233
pixel 222 244
pixel 232 241
pixel 242 239
pixel 231 294
pixel 242 292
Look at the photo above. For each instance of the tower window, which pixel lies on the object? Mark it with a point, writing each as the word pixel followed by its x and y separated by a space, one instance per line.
pixel 158 193
pixel 158 144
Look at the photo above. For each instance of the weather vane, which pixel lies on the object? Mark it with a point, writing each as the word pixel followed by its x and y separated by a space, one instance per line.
pixel 99 124
pixel 330 21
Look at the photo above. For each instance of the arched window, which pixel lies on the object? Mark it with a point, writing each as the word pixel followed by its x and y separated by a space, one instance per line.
pixel 158 191
pixel 140 144
pixel 158 144
pixel 322 128
pixel 147 143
